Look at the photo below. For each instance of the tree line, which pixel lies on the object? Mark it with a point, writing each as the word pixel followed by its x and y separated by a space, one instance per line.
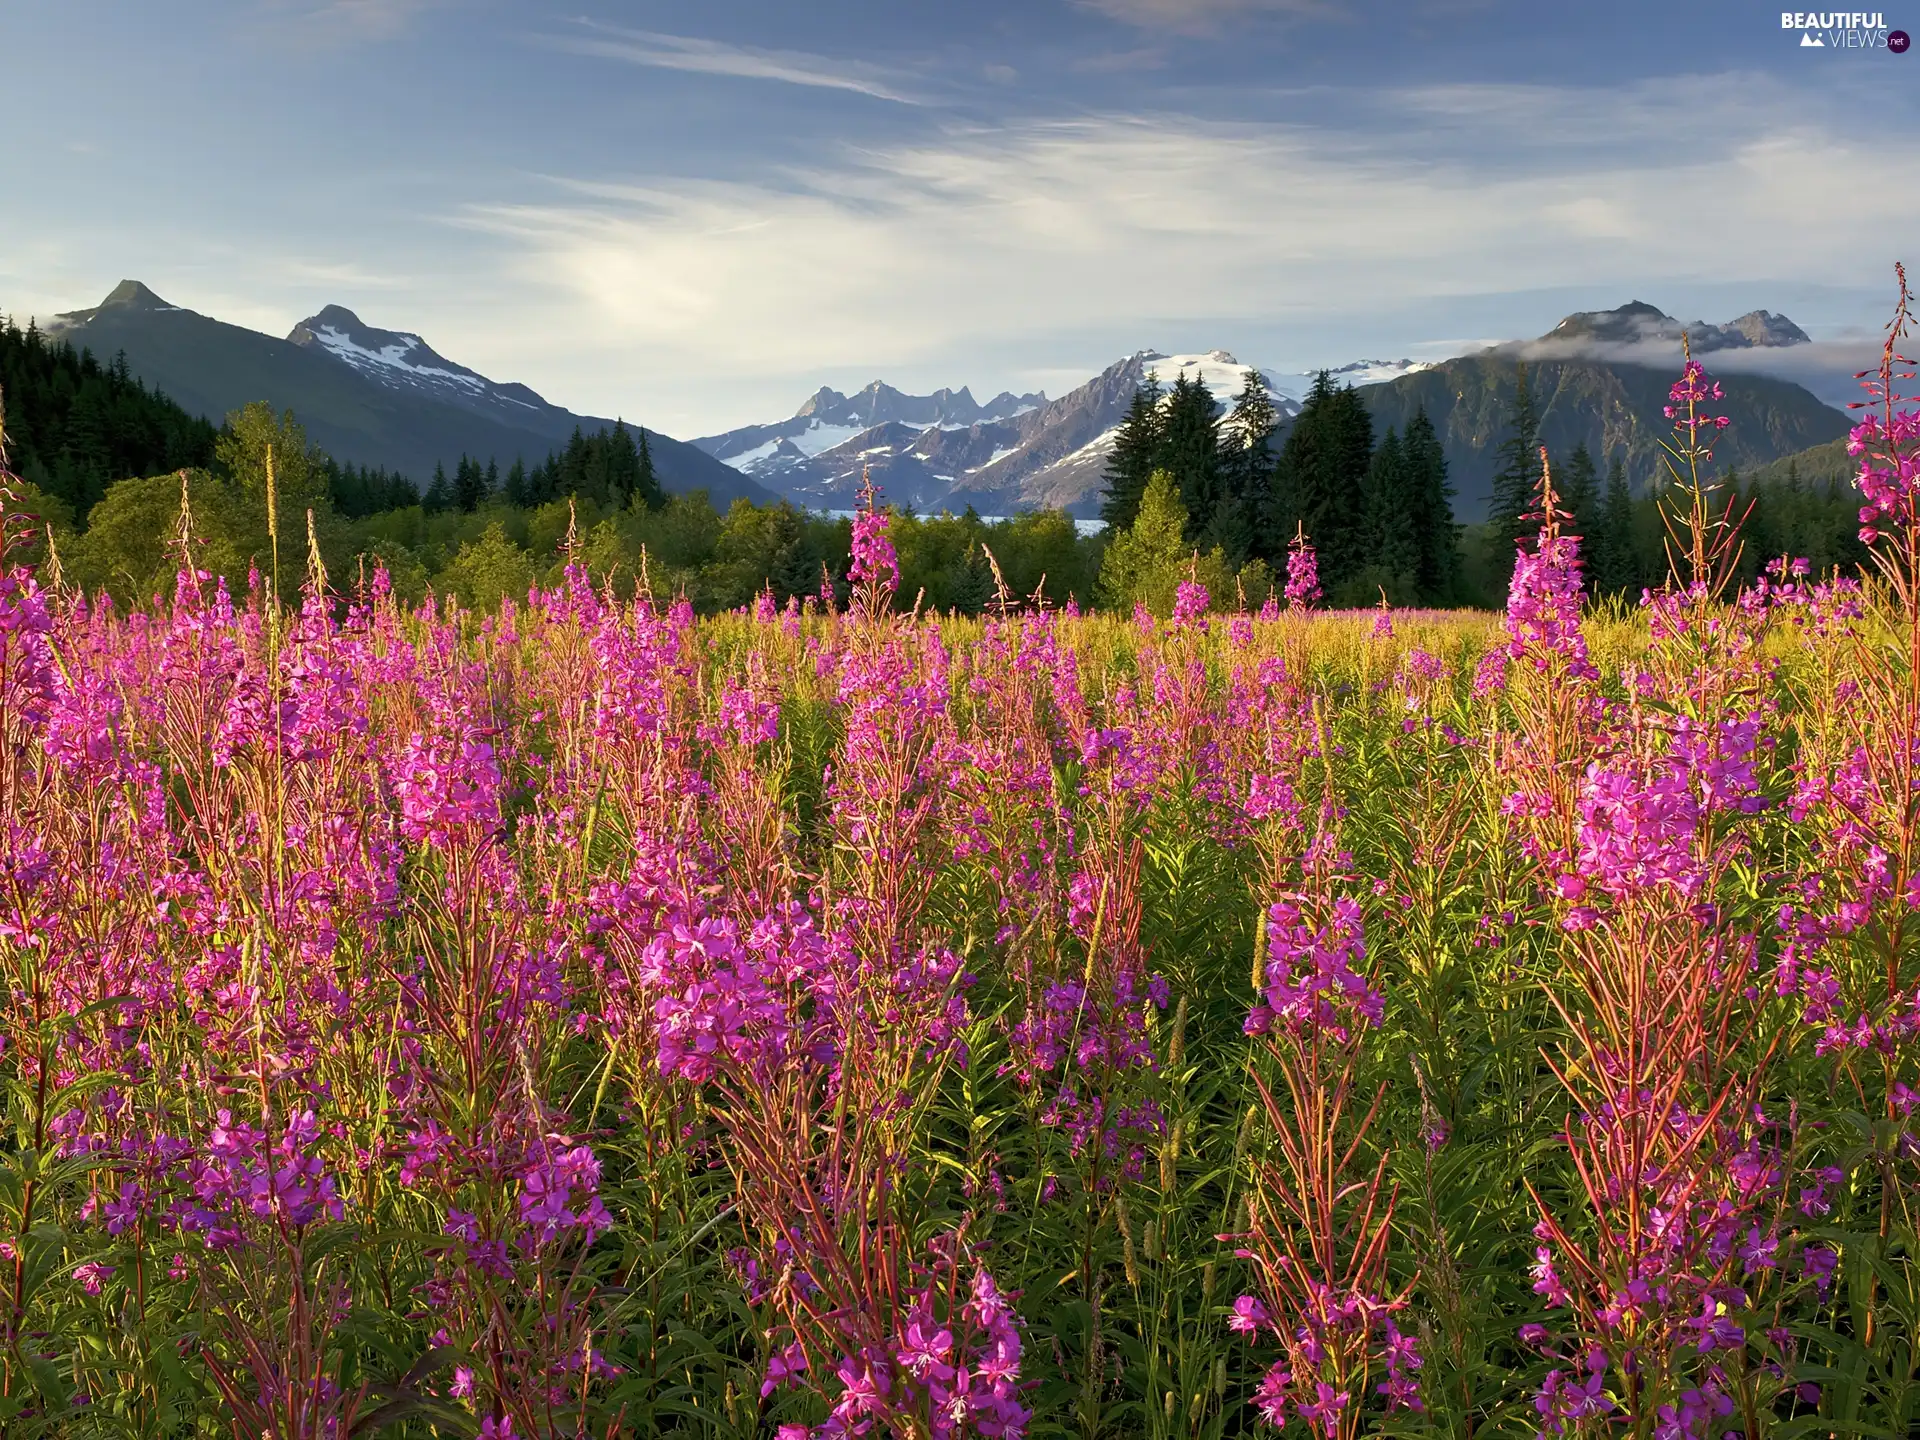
pixel 74 425
pixel 1379 513
pixel 1234 489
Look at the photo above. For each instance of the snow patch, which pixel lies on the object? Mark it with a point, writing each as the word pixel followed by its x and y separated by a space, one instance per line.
pixel 391 357
pixel 994 459
pixel 747 459
pixel 818 437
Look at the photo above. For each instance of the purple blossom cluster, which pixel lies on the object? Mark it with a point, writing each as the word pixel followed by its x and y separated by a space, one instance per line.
pixel 1303 575
pixel 1311 982
pixel 1543 608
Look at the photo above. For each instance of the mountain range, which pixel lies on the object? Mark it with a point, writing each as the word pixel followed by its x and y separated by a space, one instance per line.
pixel 387 398
pixel 364 395
pixel 1014 453
pixel 1637 322
pixel 1019 452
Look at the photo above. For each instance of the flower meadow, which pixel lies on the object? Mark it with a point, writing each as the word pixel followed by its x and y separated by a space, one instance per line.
pixel 584 1020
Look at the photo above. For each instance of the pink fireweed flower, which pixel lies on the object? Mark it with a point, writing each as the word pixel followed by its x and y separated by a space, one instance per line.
pixel 559 1191
pixel 449 788
pixel 92 1275
pixel 1303 575
pixel 874 562
pixel 1637 833
pixel 784 1368
pixel 1190 603
pixel 1311 982
pixel 1691 391
pixel 26 657
pixel 1889 452
pixel 1248 1316
pixel 1543 608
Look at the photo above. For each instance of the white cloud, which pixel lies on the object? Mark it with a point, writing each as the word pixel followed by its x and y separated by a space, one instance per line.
pixel 713 57
pixel 914 257
pixel 1197 16
pixel 348 20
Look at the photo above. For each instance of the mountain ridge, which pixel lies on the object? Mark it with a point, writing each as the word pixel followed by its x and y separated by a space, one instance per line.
pixel 1055 454
pixel 409 411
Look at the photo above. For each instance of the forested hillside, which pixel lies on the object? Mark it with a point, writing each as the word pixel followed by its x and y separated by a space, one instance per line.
pixel 74 425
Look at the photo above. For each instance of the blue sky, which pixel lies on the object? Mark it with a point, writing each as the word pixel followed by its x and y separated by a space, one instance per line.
pixel 694 215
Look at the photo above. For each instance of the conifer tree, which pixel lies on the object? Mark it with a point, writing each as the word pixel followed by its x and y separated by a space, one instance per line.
pixel 1514 481
pixel 1613 568
pixel 1320 480
pixel 1580 490
pixel 1136 450
pixel 439 494
pixel 620 464
pixel 973 587
pixel 515 489
pixel 1246 470
pixel 1437 537
pixel 647 490
pixel 469 484
pixel 1392 554
pixel 1190 451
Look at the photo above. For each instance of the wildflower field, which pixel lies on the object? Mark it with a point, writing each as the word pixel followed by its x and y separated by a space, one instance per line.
pixel 583 1020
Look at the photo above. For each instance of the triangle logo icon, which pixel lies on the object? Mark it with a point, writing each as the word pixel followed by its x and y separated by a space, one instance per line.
pixel 1812 42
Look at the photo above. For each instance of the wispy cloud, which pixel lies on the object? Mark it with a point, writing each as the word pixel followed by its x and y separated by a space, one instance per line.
pixel 348 20
pixel 1826 367
pixel 714 57
pixel 1120 62
pixel 1199 16
pixel 1048 238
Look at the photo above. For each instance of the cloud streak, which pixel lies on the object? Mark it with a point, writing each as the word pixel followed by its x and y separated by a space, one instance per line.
pixel 698 56
pixel 1826 367
pixel 1199 16
pixel 1092 236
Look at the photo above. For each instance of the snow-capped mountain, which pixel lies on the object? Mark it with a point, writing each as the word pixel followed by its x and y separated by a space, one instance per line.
pixel 366 395
pixel 828 419
pixel 1373 372
pixel 398 360
pixel 1015 452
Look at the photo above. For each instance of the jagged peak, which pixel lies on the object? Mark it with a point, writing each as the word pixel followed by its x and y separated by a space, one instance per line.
pixel 132 295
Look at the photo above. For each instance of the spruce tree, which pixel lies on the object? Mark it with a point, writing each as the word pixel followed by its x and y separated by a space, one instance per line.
pixel 1392 554
pixel 620 464
pixel 973 586
pixel 1246 470
pixel 1320 481
pixel 570 474
pixel 515 490
pixel 1136 451
pixel 469 484
pixel 1613 568
pixel 1515 480
pixel 1436 536
pixel 439 494
pixel 1190 451
pixel 647 491
pixel 1579 487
